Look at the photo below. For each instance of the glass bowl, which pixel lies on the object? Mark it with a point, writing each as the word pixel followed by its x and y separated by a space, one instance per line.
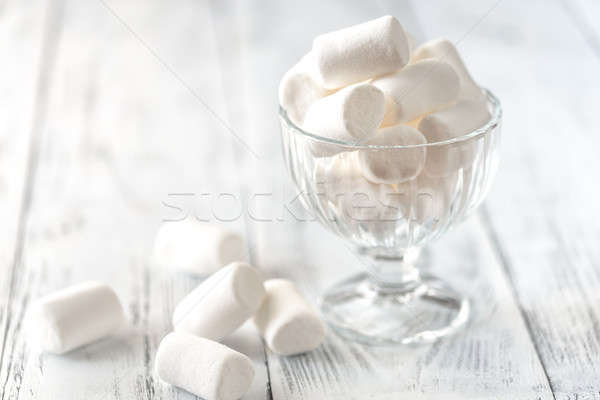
pixel 387 225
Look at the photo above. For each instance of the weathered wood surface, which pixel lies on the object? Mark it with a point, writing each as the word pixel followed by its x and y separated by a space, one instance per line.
pixel 124 140
pixel 27 48
pixel 543 213
pixel 114 137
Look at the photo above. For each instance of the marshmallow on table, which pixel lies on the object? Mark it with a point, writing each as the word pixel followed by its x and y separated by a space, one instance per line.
pixel 299 88
pixel 444 50
pixel 75 316
pixel 286 321
pixel 418 89
pixel 220 304
pixel 196 247
pixel 360 52
pixel 460 119
pixel 349 115
pixel 393 165
pixel 203 367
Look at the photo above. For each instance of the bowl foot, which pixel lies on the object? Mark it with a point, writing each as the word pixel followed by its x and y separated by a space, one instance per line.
pixel 361 310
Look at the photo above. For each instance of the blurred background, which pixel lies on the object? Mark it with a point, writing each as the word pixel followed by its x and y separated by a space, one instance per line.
pixel 118 115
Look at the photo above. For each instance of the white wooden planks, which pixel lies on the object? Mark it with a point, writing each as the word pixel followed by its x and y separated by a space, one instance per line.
pixel 27 47
pixel 542 211
pixel 127 138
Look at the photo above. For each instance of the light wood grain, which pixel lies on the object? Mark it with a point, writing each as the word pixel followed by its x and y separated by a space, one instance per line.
pixel 542 211
pixel 27 48
pixel 126 127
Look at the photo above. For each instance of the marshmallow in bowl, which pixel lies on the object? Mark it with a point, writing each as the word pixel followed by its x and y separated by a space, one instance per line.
pixel 420 88
pixel 434 197
pixel 352 114
pixel 196 247
pixel 360 52
pixel 425 200
pixel 340 183
pixel 393 165
pixel 444 50
pixel 75 316
pixel 203 367
pixel 299 89
pixel 460 119
pixel 286 321
pixel 221 303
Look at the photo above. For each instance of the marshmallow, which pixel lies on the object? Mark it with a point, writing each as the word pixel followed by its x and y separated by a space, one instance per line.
pixel 444 50
pixel 425 201
pixel 75 316
pixel 389 115
pixel 204 368
pixel 286 321
pixel 220 304
pixel 360 52
pixel 390 118
pixel 460 119
pixel 419 88
pixel 196 247
pixel 412 42
pixel 365 212
pixel 434 198
pixel 349 115
pixel 298 89
pixel 393 165
pixel 348 195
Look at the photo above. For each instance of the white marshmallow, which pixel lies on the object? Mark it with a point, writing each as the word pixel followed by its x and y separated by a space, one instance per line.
pixel 204 368
pixel 434 199
pixel 75 316
pixel 196 247
pixel 393 165
pixel 286 321
pixel 425 201
pixel 418 89
pixel 358 205
pixel 349 195
pixel 349 115
pixel 389 116
pixel 298 89
pixel 361 52
pixel 220 304
pixel 460 119
pixel 444 50
pixel 412 42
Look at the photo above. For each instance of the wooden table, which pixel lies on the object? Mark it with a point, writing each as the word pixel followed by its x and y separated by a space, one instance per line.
pixel 116 116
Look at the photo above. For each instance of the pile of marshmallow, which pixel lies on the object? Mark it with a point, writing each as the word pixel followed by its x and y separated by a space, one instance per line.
pixel 369 84
pixel 191 357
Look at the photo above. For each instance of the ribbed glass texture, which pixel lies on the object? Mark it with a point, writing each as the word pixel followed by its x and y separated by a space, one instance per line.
pixel 391 219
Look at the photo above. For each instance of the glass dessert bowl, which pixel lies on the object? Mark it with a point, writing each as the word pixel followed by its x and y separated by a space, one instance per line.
pixel 387 225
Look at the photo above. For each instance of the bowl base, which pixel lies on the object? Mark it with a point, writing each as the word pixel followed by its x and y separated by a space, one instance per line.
pixel 361 310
